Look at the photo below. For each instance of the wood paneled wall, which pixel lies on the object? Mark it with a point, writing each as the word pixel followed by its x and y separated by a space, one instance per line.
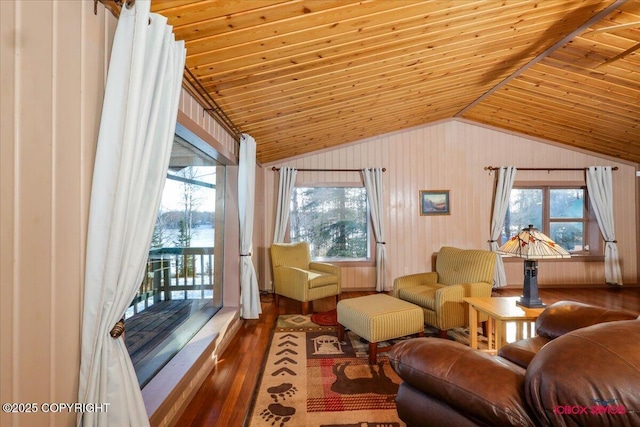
pixel 54 59
pixel 451 156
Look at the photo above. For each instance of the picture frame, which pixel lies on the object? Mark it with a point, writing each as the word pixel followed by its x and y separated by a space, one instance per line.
pixel 435 202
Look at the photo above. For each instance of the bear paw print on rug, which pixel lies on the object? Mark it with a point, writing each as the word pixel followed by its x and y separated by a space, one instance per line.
pixel 275 413
pixel 282 391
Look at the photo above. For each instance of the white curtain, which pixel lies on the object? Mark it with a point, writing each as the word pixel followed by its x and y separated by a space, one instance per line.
pixel 285 190
pixel 600 188
pixel 506 176
pixel 373 185
pixel 249 293
pixel 134 146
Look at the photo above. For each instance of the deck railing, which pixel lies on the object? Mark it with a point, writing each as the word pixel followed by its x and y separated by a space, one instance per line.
pixel 175 273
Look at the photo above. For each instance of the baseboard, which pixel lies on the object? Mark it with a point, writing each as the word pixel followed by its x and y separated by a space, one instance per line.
pixel 367 289
pixel 547 286
pixel 371 289
pixel 576 285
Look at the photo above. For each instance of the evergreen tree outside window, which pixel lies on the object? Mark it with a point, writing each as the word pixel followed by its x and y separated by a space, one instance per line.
pixel 334 220
pixel 560 212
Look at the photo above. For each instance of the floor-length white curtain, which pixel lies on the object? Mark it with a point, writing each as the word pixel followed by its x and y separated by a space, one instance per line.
pixel 373 185
pixel 285 189
pixel 134 146
pixel 505 177
pixel 600 188
pixel 249 292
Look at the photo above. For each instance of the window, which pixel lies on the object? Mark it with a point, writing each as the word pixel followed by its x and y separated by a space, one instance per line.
pixel 334 220
pixel 559 212
pixel 182 286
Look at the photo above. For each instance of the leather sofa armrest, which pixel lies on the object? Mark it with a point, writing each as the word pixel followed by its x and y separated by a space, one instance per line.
pixel 595 369
pixel 559 319
pixel 429 278
pixel 521 352
pixel 482 387
pixel 566 316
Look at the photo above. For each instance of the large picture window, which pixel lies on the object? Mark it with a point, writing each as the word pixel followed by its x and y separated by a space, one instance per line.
pixel 182 287
pixel 334 220
pixel 560 212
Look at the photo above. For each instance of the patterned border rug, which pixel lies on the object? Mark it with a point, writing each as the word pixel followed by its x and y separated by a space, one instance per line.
pixel 310 379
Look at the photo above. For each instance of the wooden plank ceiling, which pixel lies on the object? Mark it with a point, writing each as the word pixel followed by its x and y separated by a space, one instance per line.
pixel 306 75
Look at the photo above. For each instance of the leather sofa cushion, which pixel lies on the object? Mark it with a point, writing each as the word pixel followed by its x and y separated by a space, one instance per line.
pixel 584 369
pixel 484 388
pixel 566 316
pixel 418 409
pixel 558 319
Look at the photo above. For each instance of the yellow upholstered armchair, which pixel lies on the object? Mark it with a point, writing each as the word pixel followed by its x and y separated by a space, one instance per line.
pixel 459 273
pixel 296 276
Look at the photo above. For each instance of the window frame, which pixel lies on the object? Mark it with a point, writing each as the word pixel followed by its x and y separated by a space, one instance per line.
pixel 592 236
pixel 160 356
pixel 366 262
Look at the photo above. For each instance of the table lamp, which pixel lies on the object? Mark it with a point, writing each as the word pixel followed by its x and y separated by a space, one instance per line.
pixel 532 245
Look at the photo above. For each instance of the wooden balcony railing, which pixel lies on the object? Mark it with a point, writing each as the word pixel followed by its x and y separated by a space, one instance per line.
pixel 175 273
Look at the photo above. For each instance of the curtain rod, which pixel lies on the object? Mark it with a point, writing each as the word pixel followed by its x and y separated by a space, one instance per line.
pixel 326 170
pixel 214 109
pixel 192 85
pixel 113 6
pixel 492 168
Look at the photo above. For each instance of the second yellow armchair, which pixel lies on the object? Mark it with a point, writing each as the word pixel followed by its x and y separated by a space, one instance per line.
pixel 459 273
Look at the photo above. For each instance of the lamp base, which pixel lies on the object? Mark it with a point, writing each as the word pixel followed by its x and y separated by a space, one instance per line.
pixel 531 303
pixel 529 296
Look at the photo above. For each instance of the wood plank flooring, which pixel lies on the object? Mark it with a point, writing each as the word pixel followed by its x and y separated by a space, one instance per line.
pixel 225 396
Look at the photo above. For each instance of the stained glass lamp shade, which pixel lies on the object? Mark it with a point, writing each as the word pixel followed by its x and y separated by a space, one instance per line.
pixel 532 245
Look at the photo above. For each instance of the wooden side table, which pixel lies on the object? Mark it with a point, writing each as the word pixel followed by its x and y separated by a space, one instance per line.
pixel 500 311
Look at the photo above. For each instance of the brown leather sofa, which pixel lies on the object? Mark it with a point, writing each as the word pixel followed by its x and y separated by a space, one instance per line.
pixel 582 369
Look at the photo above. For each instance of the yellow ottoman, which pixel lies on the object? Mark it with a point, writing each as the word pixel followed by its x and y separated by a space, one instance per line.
pixel 379 317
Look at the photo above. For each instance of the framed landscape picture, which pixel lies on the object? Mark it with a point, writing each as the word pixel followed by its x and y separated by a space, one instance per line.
pixel 434 202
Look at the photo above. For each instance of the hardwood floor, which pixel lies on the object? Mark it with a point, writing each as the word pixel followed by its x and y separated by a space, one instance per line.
pixel 225 396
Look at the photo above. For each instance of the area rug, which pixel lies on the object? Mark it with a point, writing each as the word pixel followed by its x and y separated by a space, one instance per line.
pixel 311 379
pixel 325 318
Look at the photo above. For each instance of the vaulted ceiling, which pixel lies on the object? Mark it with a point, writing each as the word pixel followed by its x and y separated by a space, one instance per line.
pixel 306 75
